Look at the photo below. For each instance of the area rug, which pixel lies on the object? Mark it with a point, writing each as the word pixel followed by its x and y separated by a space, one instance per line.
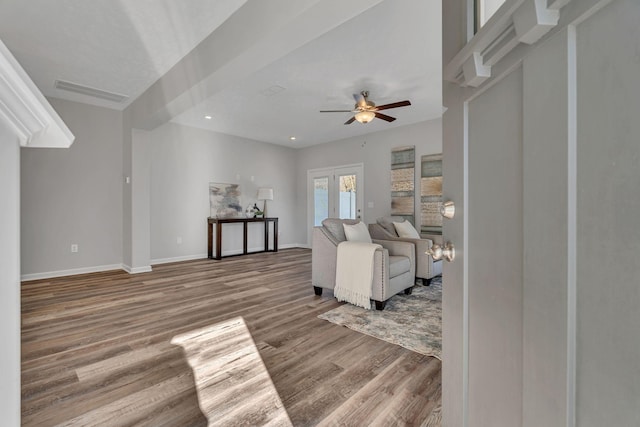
pixel 411 321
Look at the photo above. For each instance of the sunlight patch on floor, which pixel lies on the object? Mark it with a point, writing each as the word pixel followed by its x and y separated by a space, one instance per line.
pixel 232 382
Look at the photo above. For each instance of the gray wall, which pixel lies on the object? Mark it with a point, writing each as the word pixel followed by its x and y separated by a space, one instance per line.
pixel 9 277
pixel 183 162
pixel 374 151
pixel 74 195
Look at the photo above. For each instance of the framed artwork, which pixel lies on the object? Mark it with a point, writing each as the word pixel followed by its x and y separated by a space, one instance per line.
pixel 224 200
pixel 431 194
pixel 403 160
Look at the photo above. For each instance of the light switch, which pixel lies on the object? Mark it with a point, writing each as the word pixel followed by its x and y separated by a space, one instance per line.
pixel 370 205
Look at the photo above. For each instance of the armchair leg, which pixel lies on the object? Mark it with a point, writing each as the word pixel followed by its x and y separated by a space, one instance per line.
pixel 380 305
pixel 426 282
pixel 408 291
pixel 317 290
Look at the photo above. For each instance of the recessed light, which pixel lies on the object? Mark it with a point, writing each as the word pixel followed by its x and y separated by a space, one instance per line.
pixel 293 138
pixel 208 117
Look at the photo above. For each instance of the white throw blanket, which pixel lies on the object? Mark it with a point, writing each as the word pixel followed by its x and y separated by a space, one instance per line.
pixel 354 273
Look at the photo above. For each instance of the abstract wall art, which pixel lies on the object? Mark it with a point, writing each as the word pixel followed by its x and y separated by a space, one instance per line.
pixel 224 200
pixel 403 166
pixel 431 195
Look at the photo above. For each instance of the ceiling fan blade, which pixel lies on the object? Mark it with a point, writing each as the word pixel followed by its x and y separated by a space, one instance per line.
pixel 336 111
pixel 393 105
pixel 360 100
pixel 385 117
pixel 351 120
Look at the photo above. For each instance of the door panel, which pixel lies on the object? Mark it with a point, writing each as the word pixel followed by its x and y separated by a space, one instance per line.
pixel 495 249
pixel 347 188
pixel 608 213
pixel 543 164
pixel 320 199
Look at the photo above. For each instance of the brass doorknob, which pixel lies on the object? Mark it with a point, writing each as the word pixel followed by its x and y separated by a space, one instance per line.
pixel 437 252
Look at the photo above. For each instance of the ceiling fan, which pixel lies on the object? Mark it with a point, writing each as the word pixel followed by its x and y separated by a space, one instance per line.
pixel 366 110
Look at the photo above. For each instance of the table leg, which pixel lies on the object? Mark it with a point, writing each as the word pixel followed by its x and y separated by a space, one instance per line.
pixel 218 240
pixel 244 237
pixel 210 240
pixel 275 235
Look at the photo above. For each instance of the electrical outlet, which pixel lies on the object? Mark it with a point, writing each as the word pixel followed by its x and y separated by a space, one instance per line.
pixel 74 248
pixel 179 240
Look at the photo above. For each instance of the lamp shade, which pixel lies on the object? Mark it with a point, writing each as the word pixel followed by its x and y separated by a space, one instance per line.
pixel 265 193
pixel 365 116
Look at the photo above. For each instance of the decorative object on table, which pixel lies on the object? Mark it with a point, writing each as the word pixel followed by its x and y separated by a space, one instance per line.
pixel 403 161
pixel 265 193
pixel 257 213
pixel 224 200
pixel 431 195
pixel 249 212
pixel 411 321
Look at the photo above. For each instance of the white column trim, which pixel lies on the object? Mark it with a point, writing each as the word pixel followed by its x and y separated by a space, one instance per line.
pixel 515 23
pixel 572 214
pixel 25 110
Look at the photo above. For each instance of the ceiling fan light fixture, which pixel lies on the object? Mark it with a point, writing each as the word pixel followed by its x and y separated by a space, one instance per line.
pixel 365 116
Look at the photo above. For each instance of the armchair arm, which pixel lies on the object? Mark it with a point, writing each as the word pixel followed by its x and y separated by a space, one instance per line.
pixel 398 248
pixel 424 261
pixel 324 250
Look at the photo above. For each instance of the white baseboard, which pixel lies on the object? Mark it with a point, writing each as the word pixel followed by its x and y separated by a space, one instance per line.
pixel 294 245
pixel 145 269
pixel 177 259
pixel 70 272
pixel 136 270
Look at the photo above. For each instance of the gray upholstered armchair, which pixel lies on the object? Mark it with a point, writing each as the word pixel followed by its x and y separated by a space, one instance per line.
pixel 426 268
pixel 393 269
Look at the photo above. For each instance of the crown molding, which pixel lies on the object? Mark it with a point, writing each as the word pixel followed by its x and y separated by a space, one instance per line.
pixel 25 110
pixel 516 22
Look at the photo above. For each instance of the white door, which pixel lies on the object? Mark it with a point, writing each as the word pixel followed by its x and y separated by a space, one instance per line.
pixel 334 193
pixel 541 158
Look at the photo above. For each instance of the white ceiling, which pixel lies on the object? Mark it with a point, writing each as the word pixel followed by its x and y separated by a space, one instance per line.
pixel 124 46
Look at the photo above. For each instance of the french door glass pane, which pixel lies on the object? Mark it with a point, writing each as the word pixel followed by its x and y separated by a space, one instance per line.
pixel 320 199
pixel 347 208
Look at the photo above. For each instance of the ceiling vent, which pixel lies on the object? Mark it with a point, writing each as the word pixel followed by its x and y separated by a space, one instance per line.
pixel 90 91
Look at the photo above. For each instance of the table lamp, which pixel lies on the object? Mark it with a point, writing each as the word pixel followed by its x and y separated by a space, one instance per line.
pixel 265 194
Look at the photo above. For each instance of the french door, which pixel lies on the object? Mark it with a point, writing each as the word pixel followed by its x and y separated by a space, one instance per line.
pixel 334 193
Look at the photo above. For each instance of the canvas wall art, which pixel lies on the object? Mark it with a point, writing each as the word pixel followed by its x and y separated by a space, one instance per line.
pixel 403 182
pixel 224 200
pixel 431 194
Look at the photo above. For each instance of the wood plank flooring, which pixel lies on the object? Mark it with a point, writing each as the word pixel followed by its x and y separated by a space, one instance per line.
pixel 97 350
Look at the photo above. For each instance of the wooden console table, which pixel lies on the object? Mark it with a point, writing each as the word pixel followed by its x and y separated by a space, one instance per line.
pixel 244 221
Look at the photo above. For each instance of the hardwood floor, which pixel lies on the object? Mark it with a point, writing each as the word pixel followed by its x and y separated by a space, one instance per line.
pixel 234 342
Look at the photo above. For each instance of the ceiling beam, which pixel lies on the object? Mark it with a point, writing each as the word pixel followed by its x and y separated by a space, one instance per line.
pixel 256 35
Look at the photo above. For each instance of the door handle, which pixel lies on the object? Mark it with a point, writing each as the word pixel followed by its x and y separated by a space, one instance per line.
pixel 448 209
pixel 438 252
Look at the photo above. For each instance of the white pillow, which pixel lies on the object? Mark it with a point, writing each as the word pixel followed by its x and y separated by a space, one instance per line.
pixel 357 232
pixel 406 230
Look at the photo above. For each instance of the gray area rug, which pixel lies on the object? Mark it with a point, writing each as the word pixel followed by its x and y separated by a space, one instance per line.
pixel 411 321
